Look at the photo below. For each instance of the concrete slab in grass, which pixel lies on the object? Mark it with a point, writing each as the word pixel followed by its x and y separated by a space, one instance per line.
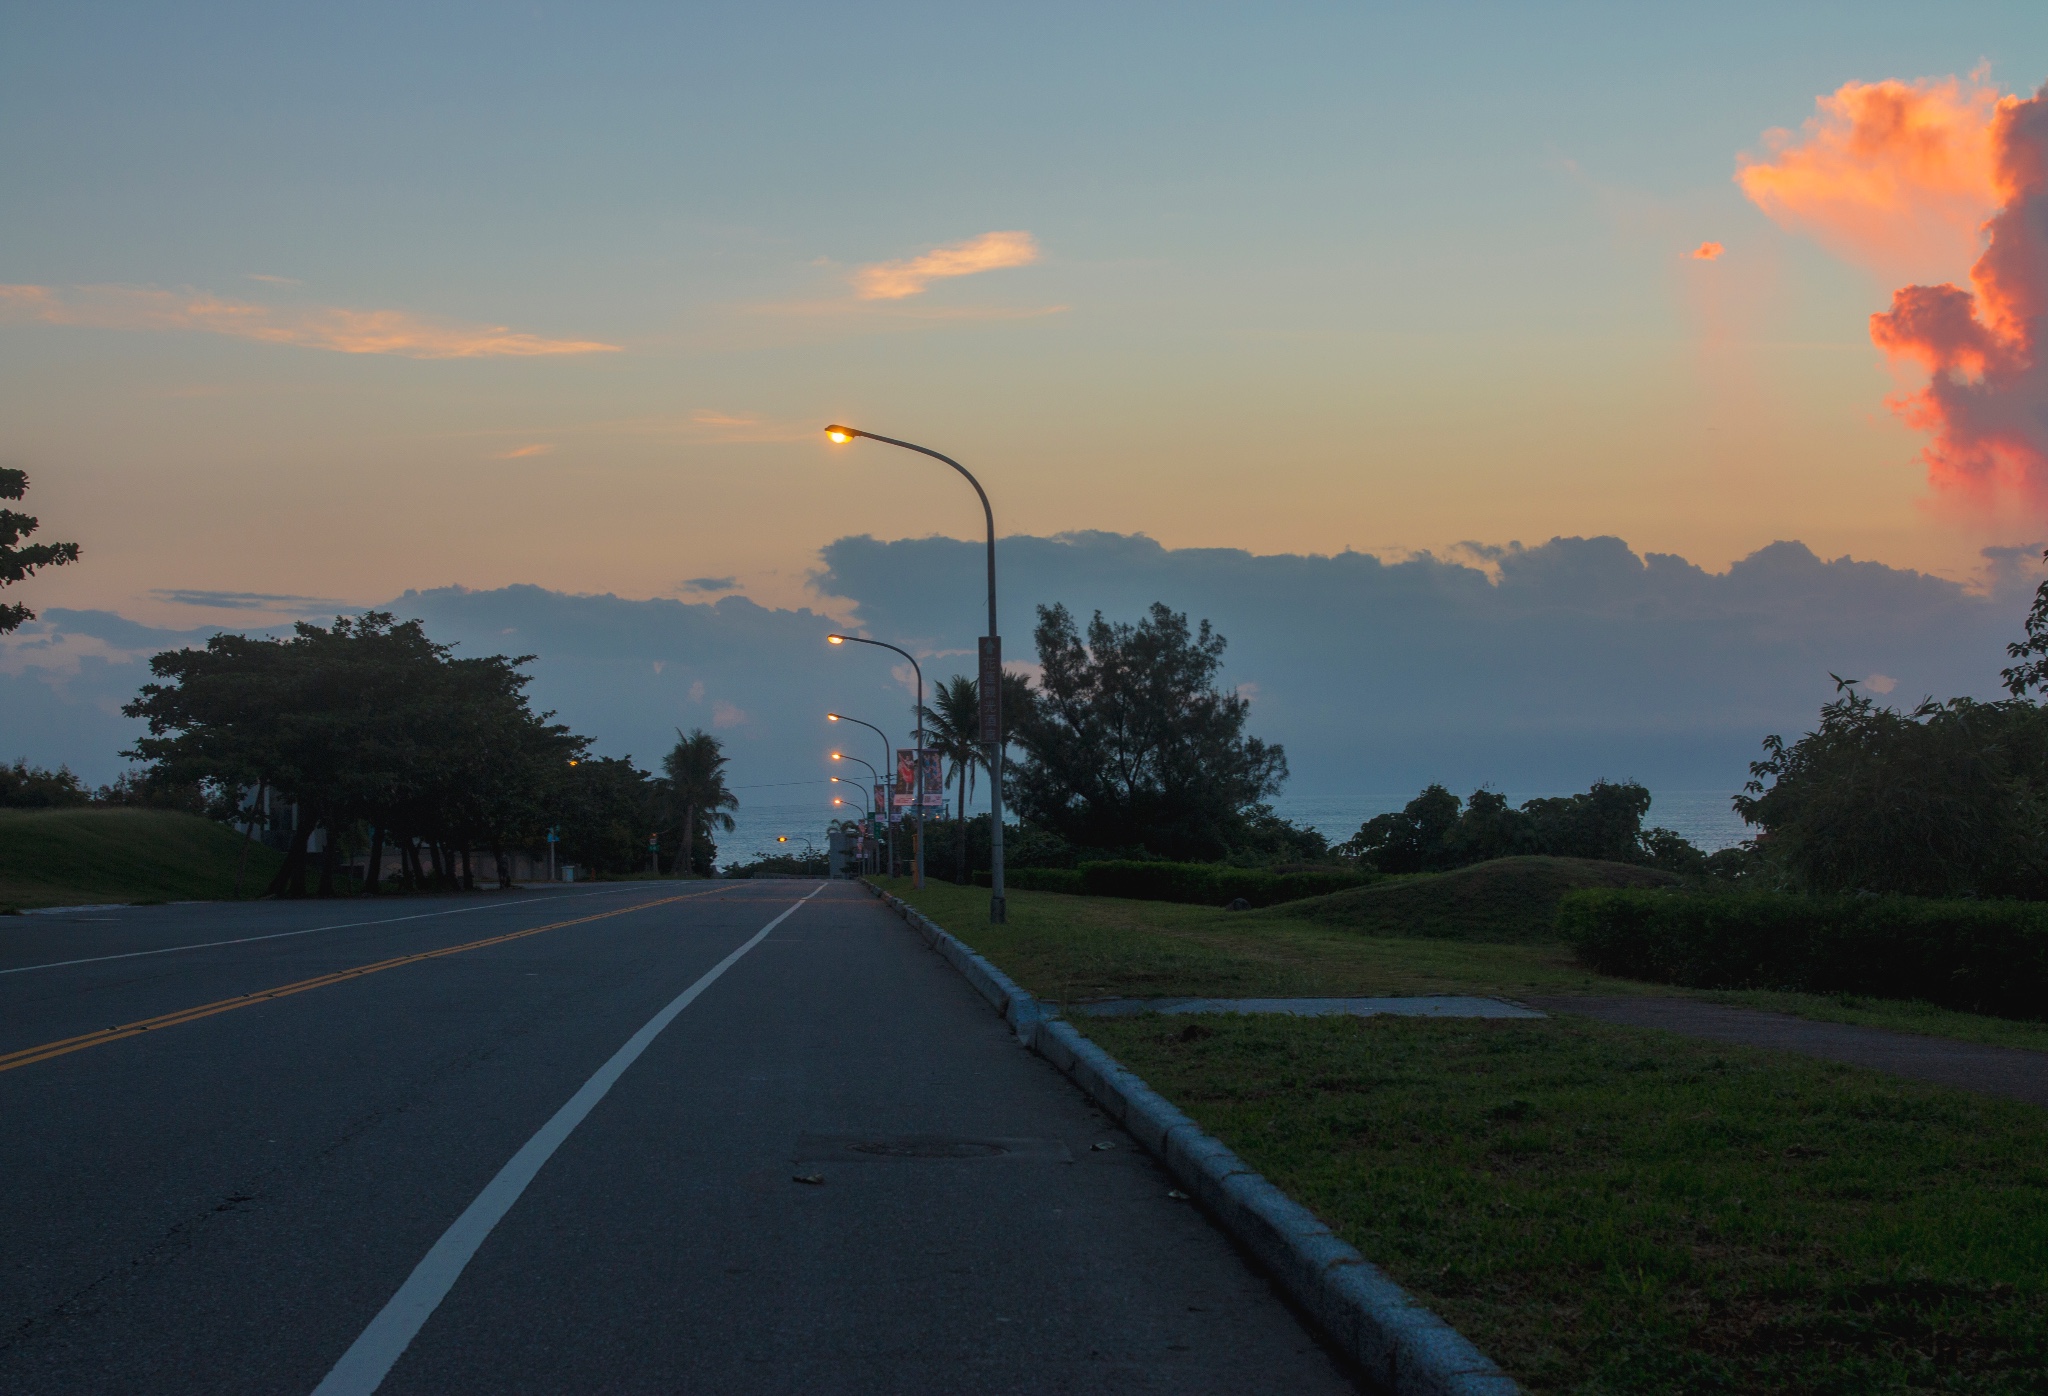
pixel 1406 1006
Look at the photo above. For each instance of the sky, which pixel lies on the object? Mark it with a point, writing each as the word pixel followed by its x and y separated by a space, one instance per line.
pixel 306 308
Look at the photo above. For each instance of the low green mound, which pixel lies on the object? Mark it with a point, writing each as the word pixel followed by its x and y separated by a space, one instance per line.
pixel 63 857
pixel 1506 900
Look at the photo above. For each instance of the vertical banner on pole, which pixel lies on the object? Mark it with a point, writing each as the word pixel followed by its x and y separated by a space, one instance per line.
pixel 906 777
pixel 991 689
pixel 934 781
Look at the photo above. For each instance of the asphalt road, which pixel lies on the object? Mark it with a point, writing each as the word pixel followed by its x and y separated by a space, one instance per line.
pixel 236 1197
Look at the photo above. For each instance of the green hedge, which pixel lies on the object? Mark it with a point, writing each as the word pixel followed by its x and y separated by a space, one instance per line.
pixel 1982 957
pixel 1205 884
pixel 1038 879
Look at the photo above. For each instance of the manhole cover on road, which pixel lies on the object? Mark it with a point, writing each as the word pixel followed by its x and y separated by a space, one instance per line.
pixel 853 1147
pixel 928 1148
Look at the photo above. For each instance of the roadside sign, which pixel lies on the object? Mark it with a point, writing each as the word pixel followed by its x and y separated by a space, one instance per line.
pixel 906 777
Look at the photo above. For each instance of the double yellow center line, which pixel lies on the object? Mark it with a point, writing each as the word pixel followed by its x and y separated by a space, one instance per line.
pixel 28 1055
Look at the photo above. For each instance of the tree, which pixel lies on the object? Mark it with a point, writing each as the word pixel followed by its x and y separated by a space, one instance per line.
pixel 2030 673
pixel 1436 831
pixel 1948 799
pixel 1415 839
pixel 364 722
pixel 602 808
pixel 695 769
pixel 1129 744
pixel 952 727
pixel 23 786
pixel 18 561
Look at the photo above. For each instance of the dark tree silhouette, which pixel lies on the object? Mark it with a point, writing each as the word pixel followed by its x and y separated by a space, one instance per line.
pixel 19 561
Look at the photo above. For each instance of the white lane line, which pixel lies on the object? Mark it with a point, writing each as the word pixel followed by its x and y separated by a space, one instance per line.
pixel 363 1367
pixel 282 935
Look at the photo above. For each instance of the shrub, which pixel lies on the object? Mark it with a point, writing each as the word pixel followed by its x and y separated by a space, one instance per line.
pixel 1038 879
pixel 1981 957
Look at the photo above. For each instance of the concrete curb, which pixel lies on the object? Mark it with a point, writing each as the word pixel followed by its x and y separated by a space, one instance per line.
pixel 1401 1345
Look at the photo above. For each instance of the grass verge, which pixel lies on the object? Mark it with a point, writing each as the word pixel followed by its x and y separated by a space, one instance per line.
pixel 1602 1209
pixel 1065 948
pixel 66 857
pixel 1609 1210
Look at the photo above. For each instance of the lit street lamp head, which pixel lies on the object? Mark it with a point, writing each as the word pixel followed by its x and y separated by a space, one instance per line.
pixel 840 435
pixel 835 640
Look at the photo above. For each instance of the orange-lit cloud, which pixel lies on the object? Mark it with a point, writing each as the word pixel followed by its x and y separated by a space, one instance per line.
pixel 313 327
pixel 538 448
pixel 1897 177
pixel 890 281
pixel 1707 251
pixel 1985 403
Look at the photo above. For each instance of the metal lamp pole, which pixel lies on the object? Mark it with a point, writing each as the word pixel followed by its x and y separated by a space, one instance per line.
pixel 888 824
pixel 917 837
pixel 991 680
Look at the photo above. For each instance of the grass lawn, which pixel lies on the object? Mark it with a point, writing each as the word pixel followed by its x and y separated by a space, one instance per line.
pixel 1600 1208
pixel 1608 1210
pixel 1506 900
pixel 67 857
pixel 1064 948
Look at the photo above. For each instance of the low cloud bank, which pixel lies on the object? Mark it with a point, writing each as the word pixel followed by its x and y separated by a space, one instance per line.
pixel 1572 661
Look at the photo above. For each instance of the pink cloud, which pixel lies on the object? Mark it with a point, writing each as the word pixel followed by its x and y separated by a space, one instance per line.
pixel 1986 400
pixel 889 281
pixel 1707 252
pixel 1887 172
pixel 334 328
pixel 1896 177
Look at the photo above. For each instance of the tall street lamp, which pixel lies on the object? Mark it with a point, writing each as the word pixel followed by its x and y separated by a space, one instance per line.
pixel 991 679
pixel 917 837
pixel 888 824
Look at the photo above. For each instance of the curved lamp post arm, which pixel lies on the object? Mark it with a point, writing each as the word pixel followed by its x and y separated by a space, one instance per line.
pixel 839 433
pixel 886 746
pixel 842 756
pixel 916 668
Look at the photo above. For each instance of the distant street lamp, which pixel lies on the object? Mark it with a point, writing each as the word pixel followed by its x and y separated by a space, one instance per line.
pixel 991 678
pixel 888 825
pixel 917 838
pixel 867 791
pixel 842 756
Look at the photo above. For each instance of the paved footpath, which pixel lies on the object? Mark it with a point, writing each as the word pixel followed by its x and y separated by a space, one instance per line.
pixel 2013 1072
pixel 229 1200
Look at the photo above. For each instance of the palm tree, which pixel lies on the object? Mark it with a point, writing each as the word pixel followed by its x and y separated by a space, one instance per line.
pixel 696 781
pixel 952 727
